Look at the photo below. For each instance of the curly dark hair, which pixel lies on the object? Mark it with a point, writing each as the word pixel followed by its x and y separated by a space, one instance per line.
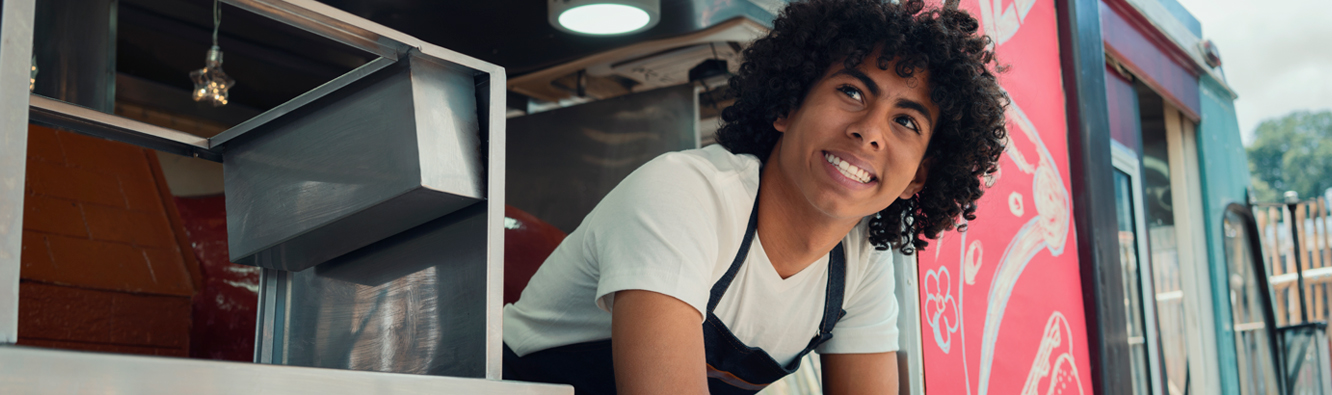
pixel 809 36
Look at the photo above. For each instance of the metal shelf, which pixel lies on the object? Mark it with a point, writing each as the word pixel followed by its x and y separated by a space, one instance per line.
pixel 55 113
pixel 44 371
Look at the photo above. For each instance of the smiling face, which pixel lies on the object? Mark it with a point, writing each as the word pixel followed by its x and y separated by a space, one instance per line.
pixel 857 142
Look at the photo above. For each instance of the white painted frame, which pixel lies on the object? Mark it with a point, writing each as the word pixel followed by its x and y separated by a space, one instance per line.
pixel 16 29
pixel 1126 160
pixel 910 362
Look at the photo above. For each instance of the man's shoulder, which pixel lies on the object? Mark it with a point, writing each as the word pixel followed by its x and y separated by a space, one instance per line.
pixel 698 185
pixel 861 253
pixel 711 173
pixel 713 161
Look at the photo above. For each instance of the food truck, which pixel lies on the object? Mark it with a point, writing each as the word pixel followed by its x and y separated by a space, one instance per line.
pixel 345 200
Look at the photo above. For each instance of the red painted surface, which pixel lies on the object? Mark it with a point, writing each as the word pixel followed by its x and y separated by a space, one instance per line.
pixel 1001 304
pixel 102 269
pixel 224 311
pixel 527 243
pixel 1153 59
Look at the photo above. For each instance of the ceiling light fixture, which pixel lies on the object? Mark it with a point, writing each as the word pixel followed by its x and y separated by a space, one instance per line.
pixel 210 83
pixel 604 17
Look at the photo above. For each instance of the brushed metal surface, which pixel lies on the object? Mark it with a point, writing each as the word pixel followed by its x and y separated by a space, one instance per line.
pixel 16 18
pixel 412 303
pixel 562 162
pixel 492 90
pixel 318 92
pixel 59 114
pixel 357 32
pixel 74 44
pixel 271 316
pixel 26 370
pixel 445 100
pixel 281 296
pixel 348 169
pixel 325 21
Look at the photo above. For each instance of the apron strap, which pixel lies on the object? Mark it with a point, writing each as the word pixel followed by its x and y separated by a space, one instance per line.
pixel 832 304
pixel 833 295
pixel 724 282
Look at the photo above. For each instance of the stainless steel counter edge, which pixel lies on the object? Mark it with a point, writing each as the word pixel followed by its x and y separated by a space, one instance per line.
pixel 51 112
pixel 300 101
pixel 353 30
pixel 25 370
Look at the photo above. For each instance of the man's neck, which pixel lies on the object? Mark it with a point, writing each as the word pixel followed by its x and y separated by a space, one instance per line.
pixel 793 232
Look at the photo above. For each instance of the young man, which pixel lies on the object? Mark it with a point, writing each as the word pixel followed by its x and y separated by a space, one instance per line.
pixel 859 126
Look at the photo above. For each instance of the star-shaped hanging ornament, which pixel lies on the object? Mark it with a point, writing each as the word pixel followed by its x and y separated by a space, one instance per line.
pixel 210 83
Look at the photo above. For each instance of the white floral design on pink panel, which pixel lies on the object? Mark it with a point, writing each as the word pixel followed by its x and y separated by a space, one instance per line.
pixel 940 307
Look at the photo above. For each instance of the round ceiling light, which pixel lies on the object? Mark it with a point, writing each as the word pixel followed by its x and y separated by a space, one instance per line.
pixel 604 17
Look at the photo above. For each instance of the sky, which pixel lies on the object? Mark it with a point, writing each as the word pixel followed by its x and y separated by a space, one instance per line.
pixel 1277 56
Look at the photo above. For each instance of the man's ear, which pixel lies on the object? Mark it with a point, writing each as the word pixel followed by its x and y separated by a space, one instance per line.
pixel 918 182
pixel 781 123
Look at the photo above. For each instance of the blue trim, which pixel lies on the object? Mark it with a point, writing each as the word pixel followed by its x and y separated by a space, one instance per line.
pixel 1183 16
pixel 1225 180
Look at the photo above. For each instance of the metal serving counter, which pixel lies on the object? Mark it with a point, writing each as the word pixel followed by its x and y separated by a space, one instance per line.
pixel 374 203
pixel 43 371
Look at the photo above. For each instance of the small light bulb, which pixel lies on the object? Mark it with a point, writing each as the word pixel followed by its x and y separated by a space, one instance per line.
pixel 32 76
pixel 210 82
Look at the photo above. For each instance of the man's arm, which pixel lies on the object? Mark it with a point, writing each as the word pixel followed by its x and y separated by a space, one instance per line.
pixel 857 374
pixel 657 344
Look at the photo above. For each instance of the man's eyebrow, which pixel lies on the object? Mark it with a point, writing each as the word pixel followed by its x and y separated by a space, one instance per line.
pixel 865 79
pixel 915 105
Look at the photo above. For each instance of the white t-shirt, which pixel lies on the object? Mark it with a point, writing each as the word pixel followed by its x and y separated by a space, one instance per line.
pixel 673 227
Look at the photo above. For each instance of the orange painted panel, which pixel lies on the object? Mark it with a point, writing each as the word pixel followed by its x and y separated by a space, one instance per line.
pixel 169 271
pixel 53 215
pixel 151 229
pixel 43 145
pixel 109 223
pixel 104 156
pixel 74 184
pixel 54 312
pixel 97 264
pixel 151 320
pixel 142 194
pixel 102 267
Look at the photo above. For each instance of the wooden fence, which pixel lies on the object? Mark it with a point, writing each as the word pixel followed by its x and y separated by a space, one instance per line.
pixel 1314 241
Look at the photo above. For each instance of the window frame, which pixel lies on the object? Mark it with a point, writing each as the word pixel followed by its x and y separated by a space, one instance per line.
pixel 1250 224
pixel 1126 160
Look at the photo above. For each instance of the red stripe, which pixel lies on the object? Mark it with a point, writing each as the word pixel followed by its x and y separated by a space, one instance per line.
pixel 728 378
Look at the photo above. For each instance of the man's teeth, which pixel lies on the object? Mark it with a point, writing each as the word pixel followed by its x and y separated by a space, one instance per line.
pixel 847 169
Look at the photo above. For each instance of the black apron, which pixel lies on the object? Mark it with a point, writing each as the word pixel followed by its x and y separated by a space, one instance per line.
pixel 733 367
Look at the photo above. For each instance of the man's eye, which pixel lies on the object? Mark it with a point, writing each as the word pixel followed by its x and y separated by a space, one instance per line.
pixel 850 91
pixel 908 122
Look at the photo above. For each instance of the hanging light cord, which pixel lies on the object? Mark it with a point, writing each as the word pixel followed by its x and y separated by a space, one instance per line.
pixel 217 19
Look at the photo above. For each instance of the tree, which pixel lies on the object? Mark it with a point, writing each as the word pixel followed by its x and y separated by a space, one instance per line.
pixel 1292 153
